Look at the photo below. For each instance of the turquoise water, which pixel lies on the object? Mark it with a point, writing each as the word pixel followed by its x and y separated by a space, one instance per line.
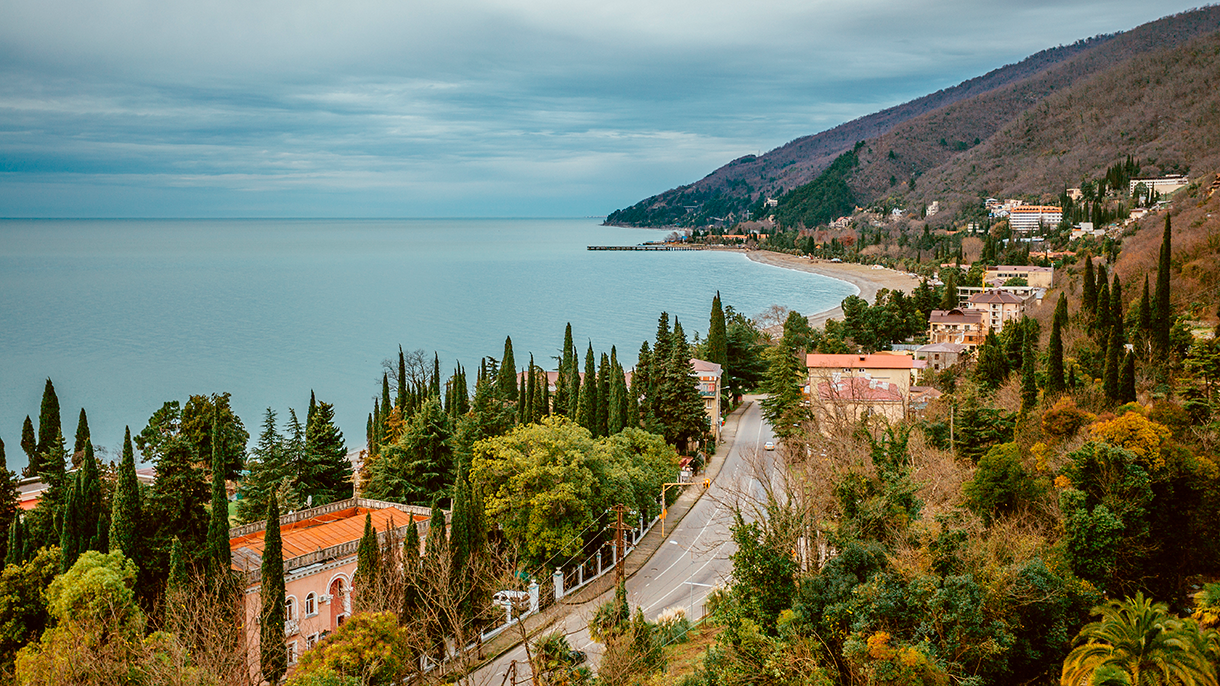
pixel 124 315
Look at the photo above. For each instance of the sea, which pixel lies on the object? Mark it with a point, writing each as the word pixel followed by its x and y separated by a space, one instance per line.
pixel 124 315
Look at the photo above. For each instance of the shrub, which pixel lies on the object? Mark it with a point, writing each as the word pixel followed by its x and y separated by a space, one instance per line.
pixel 1000 485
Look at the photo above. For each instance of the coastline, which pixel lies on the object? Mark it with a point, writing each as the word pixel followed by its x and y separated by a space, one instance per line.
pixel 866 279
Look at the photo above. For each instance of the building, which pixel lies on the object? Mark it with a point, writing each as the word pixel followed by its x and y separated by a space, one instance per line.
pixel 319 549
pixel 898 370
pixel 1038 277
pixel 957 326
pixel 709 374
pixel 940 356
pixel 1025 218
pixel 846 399
pixel 998 308
pixel 1163 185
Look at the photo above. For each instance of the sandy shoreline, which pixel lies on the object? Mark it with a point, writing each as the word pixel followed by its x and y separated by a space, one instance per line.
pixel 863 277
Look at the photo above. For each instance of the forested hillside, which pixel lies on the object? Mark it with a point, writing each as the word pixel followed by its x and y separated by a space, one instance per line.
pixel 951 129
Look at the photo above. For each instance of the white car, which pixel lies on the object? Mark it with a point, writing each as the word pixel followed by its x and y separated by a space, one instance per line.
pixel 769 445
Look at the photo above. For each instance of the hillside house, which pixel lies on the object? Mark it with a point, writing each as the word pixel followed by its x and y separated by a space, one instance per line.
pixel 940 356
pixel 1038 277
pixel 998 308
pixel 1026 218
pixel 957 326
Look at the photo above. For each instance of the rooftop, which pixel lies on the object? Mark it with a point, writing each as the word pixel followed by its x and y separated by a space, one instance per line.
pixel 705 367
pixel 863 361
pixel 1018 268
pixel 942 348
pixel 857 388
pixel 955 316
pixel 995 297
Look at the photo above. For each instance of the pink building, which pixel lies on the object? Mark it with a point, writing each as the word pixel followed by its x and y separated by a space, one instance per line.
pixel 319 548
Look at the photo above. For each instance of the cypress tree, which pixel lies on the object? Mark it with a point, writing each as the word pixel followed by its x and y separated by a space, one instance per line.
pixel 563 387
pixel 9 497
pixel 617 412
pixel 1116 309
pixel 82 435
pixel 273 658
pixel 1088 299
pixel 126 512
pixel 1161 308
pixel 1054 351
pixel 586 413
pixel 603 396
pixel 1029 385
pixel 378 428
pixel 507 380
pixel 717 336
pixel 436 545
pixel 29 446
pixel 1101 314
pixel 992 366
pixel 402 380
pixel 523 401
pixel 69 533
pixel 436 375
pixel 94 522
pixel 948 299
pixel 50 433
pixel 368 564
pixel 412 600
pixel 1112 371
pixel 1145 313
pixel 176 581
pixel 15 553
pixel 369 439
pixel 545 409
pixel 574 385
pixel 313 408
pixel 1126 382
pixel 385 403
pixel 531 392
pixel 220 559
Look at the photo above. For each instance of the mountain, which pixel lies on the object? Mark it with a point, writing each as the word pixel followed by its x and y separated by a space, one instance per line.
pixel 907 142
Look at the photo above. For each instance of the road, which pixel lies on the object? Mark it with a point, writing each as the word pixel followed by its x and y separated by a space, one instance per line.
pixel 690 563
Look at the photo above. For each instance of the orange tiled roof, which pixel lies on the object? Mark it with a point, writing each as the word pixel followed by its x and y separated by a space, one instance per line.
pixel 323 531
pixel 864 361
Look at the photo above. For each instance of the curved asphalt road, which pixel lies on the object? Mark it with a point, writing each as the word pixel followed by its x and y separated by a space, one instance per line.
pixel 693 559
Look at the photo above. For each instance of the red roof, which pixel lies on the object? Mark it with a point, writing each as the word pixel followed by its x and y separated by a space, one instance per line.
pixel 859 361
pixel 324 531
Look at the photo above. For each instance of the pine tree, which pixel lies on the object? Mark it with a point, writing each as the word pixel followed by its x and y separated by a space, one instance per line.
pixel 1162 315
pixel 50 433
pixel 273 658
pixel 327 476
pixel 1088 299
pixel 1126 382
pixel 1029 384
pixel 603 396
pixel 1113 361
pixel 219 557
pixel 82 435
pixel 127 508
pixel 586 412
pixel 507 383
pixel 179 494
pixel 9 497
pixel 717 336
pixel 616 403
pixel 29 446
pixel 267 468
pixel 1054 350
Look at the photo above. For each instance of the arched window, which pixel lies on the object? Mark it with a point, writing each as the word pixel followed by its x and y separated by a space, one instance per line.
pixel 311 605
pixel 290 609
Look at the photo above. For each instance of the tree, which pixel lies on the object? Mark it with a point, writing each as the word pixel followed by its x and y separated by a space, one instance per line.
pixel 50 433
pixel 82 435
pixel 1138 642
pixel 219 557
pixel 586 407
pixel 1029 384
pixel 1145 315
pixel 23 602
pixel 198 415
pixel 9 497
pixel 1088 299
pixel 1000 484
pixel 507 382
pixel 82 518
pixel 563 387
pixel 948 300
pixel 273 658
pixel 717 335
pixel 29 446
pixel 328 474
pixel 267 468
pixel 676 404
pixel 419 465
pixel 1126 382
pixel 992 367
pixel 180 491
pixel 1054 350
pixel 1114 361
pixel 603 397
pixel 176 580
pixel 365 581
pixel 370 648
pixel 1162 314
pixel 127 508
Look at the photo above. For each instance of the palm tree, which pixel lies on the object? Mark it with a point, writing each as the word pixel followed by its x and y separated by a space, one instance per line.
pixel 1138 643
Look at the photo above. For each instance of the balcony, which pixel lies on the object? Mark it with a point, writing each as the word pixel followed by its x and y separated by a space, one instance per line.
pixel 292 627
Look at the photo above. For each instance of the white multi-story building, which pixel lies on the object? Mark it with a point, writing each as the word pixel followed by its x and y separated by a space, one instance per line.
pixel 1163 185
pixel 1031 217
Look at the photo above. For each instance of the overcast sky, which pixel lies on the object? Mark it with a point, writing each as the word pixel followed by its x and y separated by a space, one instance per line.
pixel 357 108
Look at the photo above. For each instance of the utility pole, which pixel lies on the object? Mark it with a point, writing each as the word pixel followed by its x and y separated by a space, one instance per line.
pixel 620 566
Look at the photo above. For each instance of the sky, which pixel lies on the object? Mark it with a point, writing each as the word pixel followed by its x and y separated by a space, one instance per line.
pixel 462 108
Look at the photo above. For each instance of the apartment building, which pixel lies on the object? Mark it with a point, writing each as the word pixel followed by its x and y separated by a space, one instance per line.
pixel 1026 218
pixel 998 308
pixel 958 326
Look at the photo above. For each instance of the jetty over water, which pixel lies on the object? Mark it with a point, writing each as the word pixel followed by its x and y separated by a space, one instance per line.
pixel 663 247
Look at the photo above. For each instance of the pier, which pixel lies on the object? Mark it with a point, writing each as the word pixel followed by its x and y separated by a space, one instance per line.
pixel 663 247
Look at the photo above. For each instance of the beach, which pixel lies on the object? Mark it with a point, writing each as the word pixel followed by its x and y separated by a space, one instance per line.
pixel 864 277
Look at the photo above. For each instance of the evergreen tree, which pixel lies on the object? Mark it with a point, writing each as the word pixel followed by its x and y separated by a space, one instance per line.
pixel 992 366
pixel 402 380
pixel 180 491
pixel 378 429
pixel 717 336
pixel 313 409
pixel 9 497
pixel 948 299
pixel 386 406
pixel 1101 314
pixel 15 551
pixel 366 580
pixel 219 557
pixel 1029 384
pixel 273 659
pixel 617 402
pixel 641 383
pixel 176 580
pixel 1054 350
pixel 50 433
pixel 603 396
pixel 1144 318
pixel 507 383
pixel 82 435
pixel 1162 315
pixel 522 401
pixel 574 385
pixel 267 468
pixel 1126 382
pixel 29 446
pixel 784 406
pixel 562 386
pixel 1112 370
pixel 327 476
pixel 679 407
pixel 412 601
pixel 69 533
pixel 531 393
pixel 586 409
pixel 1088 298
pixel 418 465
pixel 126 510
pixel 436 545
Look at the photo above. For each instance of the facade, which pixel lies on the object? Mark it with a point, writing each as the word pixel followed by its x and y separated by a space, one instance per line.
pixel 847 399
pixel 940 356
pixel 319 548
pixel 1163 185
pixel 709 374
pixel 1037 277
pixel 898 370
pixel 998 308
pixel 1026 218
pixel 957 326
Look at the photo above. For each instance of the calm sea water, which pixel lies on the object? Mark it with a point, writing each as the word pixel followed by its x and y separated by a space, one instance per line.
pixel 126 314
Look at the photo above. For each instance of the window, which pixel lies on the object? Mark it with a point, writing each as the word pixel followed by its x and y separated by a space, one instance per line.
pixel 311 641
pixel 290 609
pixel 292 652
pixel 311 605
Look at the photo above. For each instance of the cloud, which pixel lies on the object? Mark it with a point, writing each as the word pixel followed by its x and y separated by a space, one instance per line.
pixel 470 107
